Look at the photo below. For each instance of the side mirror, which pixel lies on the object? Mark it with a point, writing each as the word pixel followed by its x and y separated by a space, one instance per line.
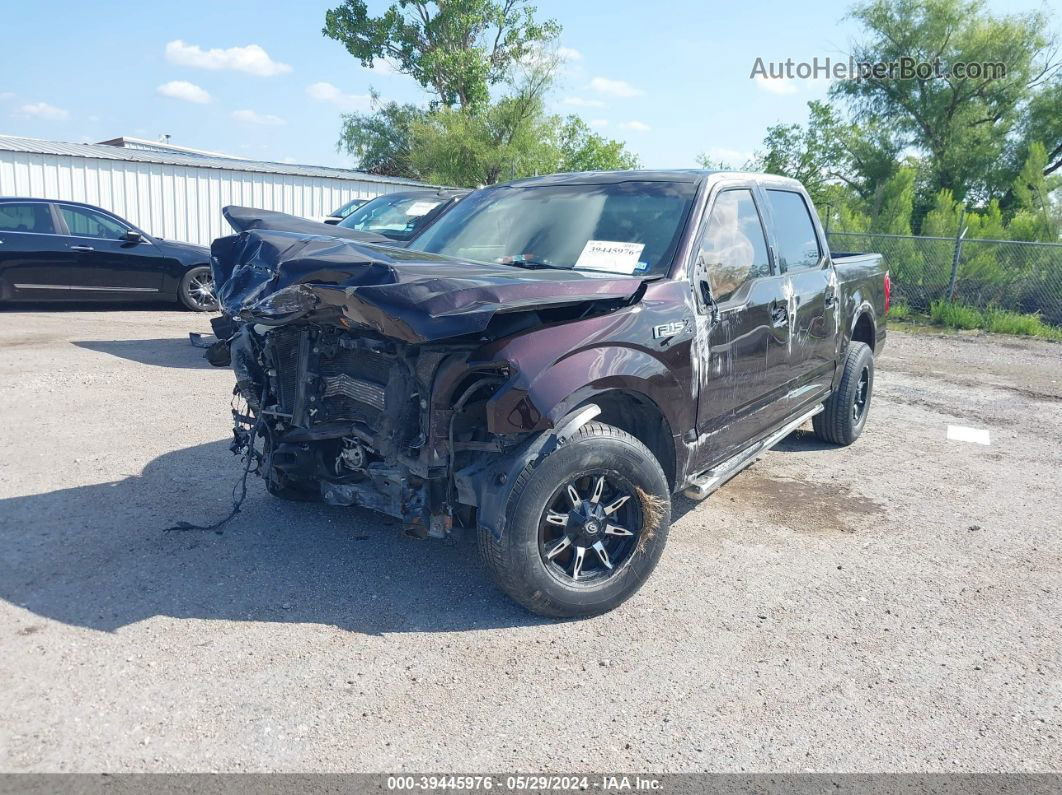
pixel 703 287
pixel 132 236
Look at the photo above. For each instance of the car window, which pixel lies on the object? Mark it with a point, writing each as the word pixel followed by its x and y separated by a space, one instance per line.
pixel 733 248
pixel 89 223
pixel 26 217
pixel 798 247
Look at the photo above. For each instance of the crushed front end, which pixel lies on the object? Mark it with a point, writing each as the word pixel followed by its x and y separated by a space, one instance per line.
pixel 353 418
pixel 360 373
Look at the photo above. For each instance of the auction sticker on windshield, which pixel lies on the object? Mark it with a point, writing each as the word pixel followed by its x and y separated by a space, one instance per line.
pixel 609 255
pixel 421 208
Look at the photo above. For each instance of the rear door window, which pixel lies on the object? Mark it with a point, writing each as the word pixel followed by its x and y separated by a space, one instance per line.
pixel 794 233
pixel 26 217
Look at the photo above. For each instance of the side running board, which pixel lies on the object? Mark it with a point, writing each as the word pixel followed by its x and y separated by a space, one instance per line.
pixel 708 481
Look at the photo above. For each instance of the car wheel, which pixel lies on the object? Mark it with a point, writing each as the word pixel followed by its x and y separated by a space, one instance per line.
pixel 586 526
pixel 196 291
pixel 845 412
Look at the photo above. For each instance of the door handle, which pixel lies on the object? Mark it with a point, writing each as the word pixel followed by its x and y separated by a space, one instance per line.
pixel 82 248
pixel 779 313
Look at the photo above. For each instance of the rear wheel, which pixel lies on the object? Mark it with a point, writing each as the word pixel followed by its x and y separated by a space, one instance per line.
pixel 196 291
pixel 845 413
pixel 586 526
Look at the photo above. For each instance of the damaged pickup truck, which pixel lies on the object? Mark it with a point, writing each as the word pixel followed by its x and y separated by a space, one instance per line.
pixel 549 363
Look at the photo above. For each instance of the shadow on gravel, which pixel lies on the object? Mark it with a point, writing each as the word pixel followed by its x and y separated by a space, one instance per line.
pixel 802 441
pixel 95 556
pixel 170 352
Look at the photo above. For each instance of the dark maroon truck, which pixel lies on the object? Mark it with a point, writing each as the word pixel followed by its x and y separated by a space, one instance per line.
pixel 549 363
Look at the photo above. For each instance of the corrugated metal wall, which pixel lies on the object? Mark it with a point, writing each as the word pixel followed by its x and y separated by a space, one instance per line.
pixel 171 201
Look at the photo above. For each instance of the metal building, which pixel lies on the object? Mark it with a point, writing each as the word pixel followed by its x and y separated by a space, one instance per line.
pixel 177 194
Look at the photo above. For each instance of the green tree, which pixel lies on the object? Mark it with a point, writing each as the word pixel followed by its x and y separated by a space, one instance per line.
pixel 581 149
pixel 960 125
pixel 382 140
pixel 811 153
pixel 896 204
pixel 457 49
pixel 1032 192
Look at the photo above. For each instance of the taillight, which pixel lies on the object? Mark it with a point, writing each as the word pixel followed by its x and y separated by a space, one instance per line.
pixel 888 291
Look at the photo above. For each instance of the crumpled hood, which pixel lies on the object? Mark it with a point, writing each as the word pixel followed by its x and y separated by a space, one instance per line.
pixel 278 276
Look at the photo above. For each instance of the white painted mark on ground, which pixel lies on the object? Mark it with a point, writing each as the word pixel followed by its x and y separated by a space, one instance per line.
pixel 960 433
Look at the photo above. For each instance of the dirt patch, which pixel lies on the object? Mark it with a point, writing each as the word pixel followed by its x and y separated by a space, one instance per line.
pixel 802 506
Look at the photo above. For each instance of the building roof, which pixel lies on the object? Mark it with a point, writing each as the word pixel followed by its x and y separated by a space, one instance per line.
pixel 130 142
pixel 106 152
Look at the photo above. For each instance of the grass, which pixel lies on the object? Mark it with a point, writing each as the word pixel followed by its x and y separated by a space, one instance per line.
pixel 945 313
pixel 998 321
pixel 901 313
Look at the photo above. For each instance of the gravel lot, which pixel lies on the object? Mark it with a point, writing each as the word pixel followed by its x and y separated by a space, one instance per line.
pixel 893 606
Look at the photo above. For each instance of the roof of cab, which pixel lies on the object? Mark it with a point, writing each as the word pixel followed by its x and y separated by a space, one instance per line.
pixel 687 175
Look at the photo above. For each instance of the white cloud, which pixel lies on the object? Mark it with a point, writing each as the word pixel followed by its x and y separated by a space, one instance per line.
pixel 326 92
pixel 599 122
pixel 636 126
pixel 41 110
pixel 251 59
pixel 569 54
pixel 617 88
pixel 4 95
pixel 182 89
pixel 580 102
pixel 251 117
pixel 779 85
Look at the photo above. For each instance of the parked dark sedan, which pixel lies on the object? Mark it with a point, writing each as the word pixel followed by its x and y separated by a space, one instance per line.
pixel 68 251
pixel 403 215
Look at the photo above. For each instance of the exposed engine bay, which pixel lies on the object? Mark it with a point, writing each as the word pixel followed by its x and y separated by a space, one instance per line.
pixel 353 420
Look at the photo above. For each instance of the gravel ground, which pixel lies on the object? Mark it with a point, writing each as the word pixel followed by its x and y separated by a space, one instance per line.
pixel 892 606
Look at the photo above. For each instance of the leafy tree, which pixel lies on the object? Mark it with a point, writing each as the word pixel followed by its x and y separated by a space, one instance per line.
pixel 896 204
pixel 1032 191
pixel 383 139
pixel 811 153
pixel 457 49
pixel 960 124
pixel 581 149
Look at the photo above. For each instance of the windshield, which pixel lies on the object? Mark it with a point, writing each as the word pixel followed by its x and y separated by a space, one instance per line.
pixel 620 227
pixel 396 218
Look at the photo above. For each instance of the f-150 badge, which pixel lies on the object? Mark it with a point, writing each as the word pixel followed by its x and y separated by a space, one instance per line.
pixel 669 329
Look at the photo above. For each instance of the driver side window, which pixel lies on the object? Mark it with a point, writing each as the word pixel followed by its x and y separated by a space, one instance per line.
pixel 733 248
pixel 87 223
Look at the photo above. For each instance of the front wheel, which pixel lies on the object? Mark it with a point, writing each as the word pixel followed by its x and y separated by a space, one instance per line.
pixel 585 527
pixel 196 291
pixel 846 411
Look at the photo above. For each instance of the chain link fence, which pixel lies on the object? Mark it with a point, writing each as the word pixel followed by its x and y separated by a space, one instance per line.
pixel 1006 274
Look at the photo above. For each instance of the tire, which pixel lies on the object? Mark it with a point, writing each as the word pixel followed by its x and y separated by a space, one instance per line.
pixel 190 291
pixel 846 410
pixel 519 562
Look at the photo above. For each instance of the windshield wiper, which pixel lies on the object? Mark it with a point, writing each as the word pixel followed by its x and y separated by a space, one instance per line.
pixel 524 261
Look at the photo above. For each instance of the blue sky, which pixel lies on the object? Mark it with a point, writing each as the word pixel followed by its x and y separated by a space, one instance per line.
pixel 257 79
